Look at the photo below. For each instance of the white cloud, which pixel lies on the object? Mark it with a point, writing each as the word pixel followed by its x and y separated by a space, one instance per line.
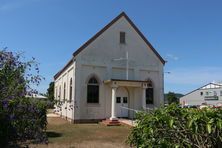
pixel 194 76
pixel 171 56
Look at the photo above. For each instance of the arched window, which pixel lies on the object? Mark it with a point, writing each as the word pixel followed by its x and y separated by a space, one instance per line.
pixel 59 92
pixel 70 90
pixel 149 93
pixel 64 93
pixel 93 91
pixel 55 93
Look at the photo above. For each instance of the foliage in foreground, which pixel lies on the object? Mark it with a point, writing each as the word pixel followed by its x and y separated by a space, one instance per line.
pixel 178 127
pixel 50 94
pixel 21 118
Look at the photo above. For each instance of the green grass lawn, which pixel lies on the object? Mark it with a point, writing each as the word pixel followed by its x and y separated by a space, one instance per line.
pixel 64 134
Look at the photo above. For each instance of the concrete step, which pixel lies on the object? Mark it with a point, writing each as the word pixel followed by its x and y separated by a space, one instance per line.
pixel 109 122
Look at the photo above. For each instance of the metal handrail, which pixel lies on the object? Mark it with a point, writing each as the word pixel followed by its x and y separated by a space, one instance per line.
pixel 130 109
pixel 135 109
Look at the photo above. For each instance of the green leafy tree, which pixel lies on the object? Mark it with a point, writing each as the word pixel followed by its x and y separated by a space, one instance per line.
pixel 50 92
pixel 172 126
pixel 21 118
pixel 172 98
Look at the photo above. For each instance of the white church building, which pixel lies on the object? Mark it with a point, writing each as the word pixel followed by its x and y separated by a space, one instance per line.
pixel 113 73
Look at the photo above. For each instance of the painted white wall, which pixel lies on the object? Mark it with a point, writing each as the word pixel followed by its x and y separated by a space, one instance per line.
pixel 98 59
pixel 195 98
pixel 65 77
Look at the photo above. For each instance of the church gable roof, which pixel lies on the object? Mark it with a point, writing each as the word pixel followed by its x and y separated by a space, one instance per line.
pixel 63 69
pixel 109 25
pixel 101 32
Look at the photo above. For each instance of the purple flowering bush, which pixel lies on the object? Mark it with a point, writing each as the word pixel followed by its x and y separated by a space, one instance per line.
pixel 22 119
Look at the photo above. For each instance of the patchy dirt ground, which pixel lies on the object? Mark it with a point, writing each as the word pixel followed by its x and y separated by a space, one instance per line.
pixel 64 134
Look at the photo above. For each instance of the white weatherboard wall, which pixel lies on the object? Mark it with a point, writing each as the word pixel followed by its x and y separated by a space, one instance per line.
pixel 97 59
pixel 67 109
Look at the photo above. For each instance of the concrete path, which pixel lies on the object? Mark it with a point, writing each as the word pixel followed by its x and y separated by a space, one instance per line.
pixel 52 115
pixel 128 122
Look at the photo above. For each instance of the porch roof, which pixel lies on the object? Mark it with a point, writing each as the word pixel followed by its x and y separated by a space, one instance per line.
pixel 124 82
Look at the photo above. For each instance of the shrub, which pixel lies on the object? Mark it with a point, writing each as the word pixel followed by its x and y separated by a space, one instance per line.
pixel 178 127
pixel 21 118
pixel 29 119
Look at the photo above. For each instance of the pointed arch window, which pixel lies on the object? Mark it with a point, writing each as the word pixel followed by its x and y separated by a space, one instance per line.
pixel 70 90
pixel 64 93
pixel 149 93
pixel 93 91
pixel 56 93
pixel 59 92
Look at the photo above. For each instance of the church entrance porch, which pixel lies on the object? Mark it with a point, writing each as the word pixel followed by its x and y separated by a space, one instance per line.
pixel 120 97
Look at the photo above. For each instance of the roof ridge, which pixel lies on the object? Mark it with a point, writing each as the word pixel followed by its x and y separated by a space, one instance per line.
pixel 110 24
pixel 122 14
pixel 98 33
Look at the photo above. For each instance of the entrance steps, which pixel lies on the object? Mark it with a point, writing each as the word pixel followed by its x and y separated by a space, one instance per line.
pixel 119 122
pixel 109 122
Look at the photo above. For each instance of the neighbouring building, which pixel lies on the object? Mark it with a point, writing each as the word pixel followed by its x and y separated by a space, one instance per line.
pixel 208 94
pixel 115 71
pixel 36 96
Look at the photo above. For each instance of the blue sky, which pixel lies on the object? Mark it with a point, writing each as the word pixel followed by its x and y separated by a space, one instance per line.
pixel 188 33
